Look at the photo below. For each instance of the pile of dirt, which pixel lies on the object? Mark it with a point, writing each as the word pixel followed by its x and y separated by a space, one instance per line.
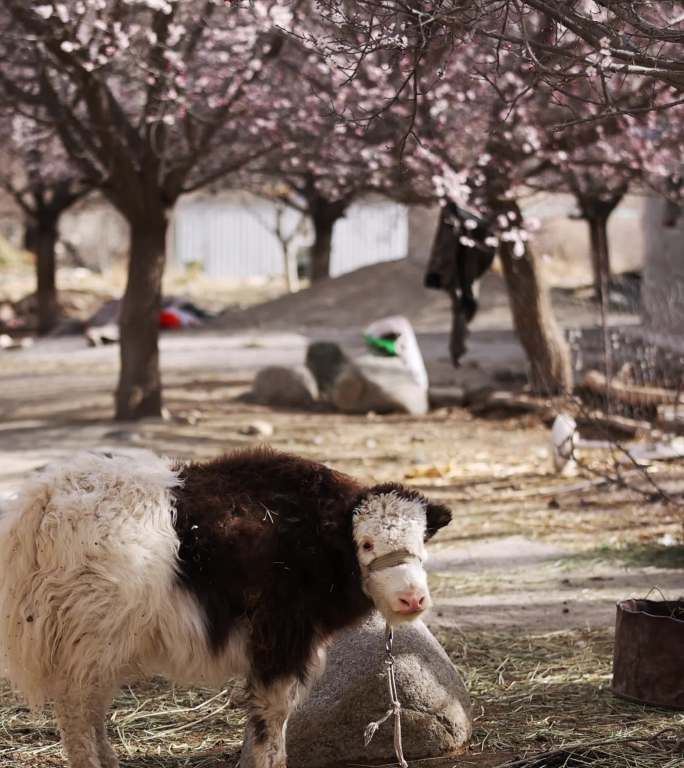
pixel 358 298
pixel 351 301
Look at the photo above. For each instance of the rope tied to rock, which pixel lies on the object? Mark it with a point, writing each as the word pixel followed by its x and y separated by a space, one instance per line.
pixel 395 704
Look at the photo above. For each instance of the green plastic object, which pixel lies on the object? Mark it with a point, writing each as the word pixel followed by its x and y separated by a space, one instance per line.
pixel 384 346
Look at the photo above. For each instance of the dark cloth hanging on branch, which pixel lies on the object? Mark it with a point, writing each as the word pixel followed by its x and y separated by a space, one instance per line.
pixel 459 257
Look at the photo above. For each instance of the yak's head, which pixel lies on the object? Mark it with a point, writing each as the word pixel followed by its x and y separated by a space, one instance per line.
pixel 391 526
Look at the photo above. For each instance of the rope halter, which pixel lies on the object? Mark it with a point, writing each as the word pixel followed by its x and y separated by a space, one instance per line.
pixel 395 705
pixel 397 557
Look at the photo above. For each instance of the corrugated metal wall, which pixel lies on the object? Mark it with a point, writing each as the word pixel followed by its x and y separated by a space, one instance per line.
pixel 235 237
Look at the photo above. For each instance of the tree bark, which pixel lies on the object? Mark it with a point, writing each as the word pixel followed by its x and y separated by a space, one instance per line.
pixel 290 268
pixel 139 390
pixel 546 349
pixel 600 254
pixel 321 249
pixel 596 205
pixel 41 239
pixel 324 215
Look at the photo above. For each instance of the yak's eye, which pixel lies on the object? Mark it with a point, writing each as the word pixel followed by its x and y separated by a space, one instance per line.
pixel 367 545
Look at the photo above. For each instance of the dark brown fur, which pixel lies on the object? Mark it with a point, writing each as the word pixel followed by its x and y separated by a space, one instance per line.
pixel 267 537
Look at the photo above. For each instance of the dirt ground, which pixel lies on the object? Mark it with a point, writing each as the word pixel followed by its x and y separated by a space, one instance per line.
pixel 525 579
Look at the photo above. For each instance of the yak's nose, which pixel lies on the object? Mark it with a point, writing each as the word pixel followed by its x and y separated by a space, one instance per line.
pixel 411 602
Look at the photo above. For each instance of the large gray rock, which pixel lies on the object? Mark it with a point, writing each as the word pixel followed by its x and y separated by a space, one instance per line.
pixel 328 728
pixel 399 328
pixel 325 360
pixel 380 384
pixel 291 387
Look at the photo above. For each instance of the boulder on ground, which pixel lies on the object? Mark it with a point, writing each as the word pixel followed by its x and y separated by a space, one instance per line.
pixel 398 329
pixel 379 384
pixel 328 729
pixel 325 360
pixel 291 387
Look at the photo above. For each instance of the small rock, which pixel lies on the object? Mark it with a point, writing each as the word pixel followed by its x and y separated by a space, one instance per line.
pixel 191 417
pixel 290 387
pixel 258 428
pixel 370 443
pixel 325 360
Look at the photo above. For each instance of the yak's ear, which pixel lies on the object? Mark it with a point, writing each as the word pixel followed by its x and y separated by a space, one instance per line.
pixel 437 517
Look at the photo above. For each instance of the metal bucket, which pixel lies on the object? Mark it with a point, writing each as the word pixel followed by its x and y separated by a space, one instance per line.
pixel 648 662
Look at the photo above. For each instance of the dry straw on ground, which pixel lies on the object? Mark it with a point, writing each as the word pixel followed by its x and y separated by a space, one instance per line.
pixel 541 701
pixel 544 700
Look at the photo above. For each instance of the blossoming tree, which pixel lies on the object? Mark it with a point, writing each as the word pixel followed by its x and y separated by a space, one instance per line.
pixel 42 182
pixel 153 99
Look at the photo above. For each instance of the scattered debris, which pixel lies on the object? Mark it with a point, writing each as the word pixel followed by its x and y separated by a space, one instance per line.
pixel 103 326
pixel 258 428
pixel 671 418
pixel 9 343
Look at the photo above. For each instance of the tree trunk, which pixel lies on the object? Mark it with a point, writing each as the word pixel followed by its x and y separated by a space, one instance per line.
pixel 139 391
pixel 291 275
pixel 546 349
pixel 324 215
pixel 41 238
pixel 600 254
pixel 322 247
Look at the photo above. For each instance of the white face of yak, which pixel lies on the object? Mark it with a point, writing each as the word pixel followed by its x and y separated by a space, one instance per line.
pixel 391 525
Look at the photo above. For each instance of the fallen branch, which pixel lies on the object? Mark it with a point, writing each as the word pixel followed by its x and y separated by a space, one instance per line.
pixel 629 394
pixel 611 424
pixel 515 404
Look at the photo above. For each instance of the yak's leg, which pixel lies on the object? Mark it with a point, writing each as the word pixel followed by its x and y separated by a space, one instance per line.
pixel 97 704
pixel 269 708
pixel 78 735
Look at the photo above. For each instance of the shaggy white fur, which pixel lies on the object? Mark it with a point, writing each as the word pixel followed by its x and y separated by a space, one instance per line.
pixel 89 593
pixel 385 523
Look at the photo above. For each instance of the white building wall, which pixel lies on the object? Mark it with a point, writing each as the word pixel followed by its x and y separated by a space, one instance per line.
pixel 370 233
pixel 233 235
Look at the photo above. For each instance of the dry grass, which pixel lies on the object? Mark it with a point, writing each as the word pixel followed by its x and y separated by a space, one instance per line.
pixel 151 724
pixel 534 694
pixel 545 693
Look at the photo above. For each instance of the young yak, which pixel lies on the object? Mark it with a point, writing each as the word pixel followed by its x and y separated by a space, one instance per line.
pixel 114 568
